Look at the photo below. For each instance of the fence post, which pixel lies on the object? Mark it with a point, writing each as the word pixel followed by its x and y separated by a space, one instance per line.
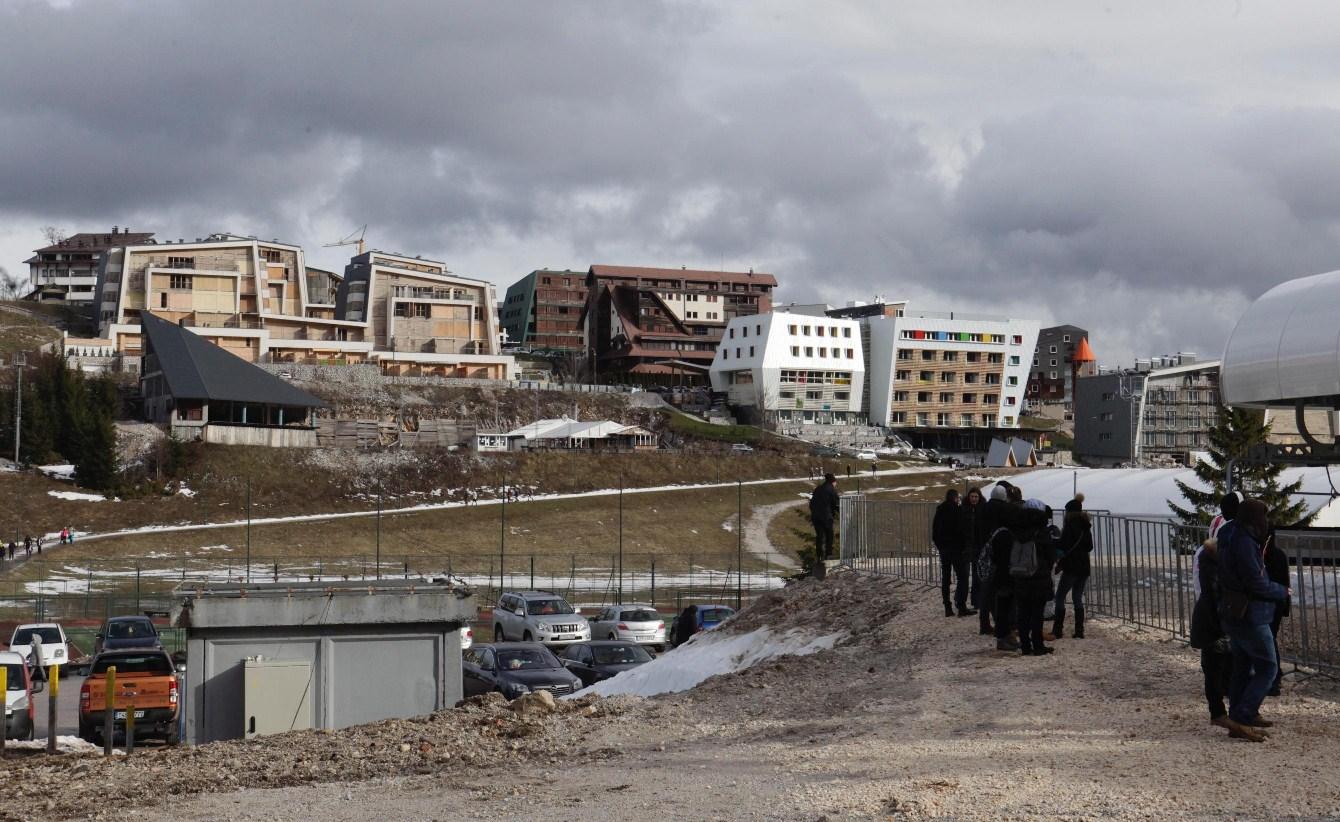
pixel 653 582
pixel 1130 577
pixel 532 572
pixel 53 693
pixel 109 711
pixel 1181 593
pixel 4 695
pixel 130 724
pixel 1302 615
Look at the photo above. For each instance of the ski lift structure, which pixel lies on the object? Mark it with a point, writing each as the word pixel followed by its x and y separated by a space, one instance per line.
pixel 1284 354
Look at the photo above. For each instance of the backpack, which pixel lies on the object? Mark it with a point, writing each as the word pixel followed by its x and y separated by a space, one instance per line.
pixel 986 559
pixel 1023 559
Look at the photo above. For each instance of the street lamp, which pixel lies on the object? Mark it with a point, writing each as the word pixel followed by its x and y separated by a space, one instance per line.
pixel 20 362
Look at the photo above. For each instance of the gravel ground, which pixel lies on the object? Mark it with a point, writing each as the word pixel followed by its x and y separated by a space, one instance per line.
pixel 915 717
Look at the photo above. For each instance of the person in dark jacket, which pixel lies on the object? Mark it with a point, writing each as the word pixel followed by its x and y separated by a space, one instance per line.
pixel 1247 601
pixel 947 535
pixel 1003 518
pixel 1207 635
pixel 972 523
pixel 823 508
pixel 687 625
pixel 1076 545
pixel 1277 569
pixel 1032 592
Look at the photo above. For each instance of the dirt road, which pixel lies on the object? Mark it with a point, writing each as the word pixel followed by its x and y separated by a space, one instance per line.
pixel 917 717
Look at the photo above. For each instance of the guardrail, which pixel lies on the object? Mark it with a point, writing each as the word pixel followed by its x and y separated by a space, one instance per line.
pixel 1141 571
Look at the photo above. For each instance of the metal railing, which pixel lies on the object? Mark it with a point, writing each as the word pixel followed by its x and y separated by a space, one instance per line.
pixel 1141 571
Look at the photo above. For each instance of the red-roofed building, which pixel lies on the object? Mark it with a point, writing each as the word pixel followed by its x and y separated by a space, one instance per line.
pixel 647 324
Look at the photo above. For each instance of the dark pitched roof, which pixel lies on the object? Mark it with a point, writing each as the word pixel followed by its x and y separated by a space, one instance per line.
pixel 690 274
pixel 197 369
pixel 97 241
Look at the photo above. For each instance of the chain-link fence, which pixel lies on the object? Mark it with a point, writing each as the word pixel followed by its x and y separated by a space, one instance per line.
pixel 94 591
pixel 1141 571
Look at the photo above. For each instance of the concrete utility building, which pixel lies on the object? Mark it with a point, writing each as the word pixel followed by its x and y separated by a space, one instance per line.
pixel 202 392
pixel 270 658
pixel 793 367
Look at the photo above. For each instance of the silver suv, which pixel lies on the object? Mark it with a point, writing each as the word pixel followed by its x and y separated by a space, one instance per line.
pixel 538 616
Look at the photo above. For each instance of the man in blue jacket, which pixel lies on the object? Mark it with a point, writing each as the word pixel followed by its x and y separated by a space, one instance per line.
pixel 1247 601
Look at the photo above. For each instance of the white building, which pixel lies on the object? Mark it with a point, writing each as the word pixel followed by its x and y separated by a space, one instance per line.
pixel 948 370
pixel 799 367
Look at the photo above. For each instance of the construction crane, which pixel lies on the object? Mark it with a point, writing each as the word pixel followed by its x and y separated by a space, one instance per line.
pixel 354 238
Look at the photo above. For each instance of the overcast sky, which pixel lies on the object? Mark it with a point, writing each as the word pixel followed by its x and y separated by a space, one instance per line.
pixel 1143 170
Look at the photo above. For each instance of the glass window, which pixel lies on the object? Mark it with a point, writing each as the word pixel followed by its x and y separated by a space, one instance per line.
pixel 524 659
pixel 555 605
pixel 621 654
pixel 24 636
pixel 149 662
pixel 131 629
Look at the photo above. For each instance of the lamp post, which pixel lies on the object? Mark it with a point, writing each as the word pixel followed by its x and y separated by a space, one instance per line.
pixel 20 360
pixel 619 599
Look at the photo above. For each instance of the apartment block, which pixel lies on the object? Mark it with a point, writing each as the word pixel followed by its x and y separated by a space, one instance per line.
pixel 543 311
pixel 1052 375
pixel 937 370
pixel 1158 412
pixel 67 271
pixel 792 367
pixel 259 300
pixel 642 322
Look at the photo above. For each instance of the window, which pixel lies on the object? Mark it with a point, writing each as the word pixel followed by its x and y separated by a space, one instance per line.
pixel 1012 381
pixel 904 354
pixel 805 329
pixel 927 355
pixel 814 395
pixel 965 420
pixel 421 309
pixel 401 309
pixel 1007 420
pixel 1017 339
pixel 990 399
pixel 758 331
pixel 1106 416
pixel 181 262
pixel 969 398
pixel 974 356
pixel 791 329
pixel 1106 435
pixel 270 255
pixel 971 377
pixel 942 420
pixel 180 281
pixel 1065 338
pixel 1053 364
pixel 1108 396
pixel 851 353
pixel 946 376
pixel 841 395
pixel 744 330
pixel 737 353
pixel 986 420
pixel 1010 401
pixel 898 418
pixel 1051 349
pixel 846 332
pixel 795 351
pixel 819 331
pixel 946 397
pixel 923 419
pixel 923 396
pixel 1053 375
pixel 926 376
pixel 823 352
pixel 949 356
pixel 1035 362
pixel 809 352
pixel 900 396
pixel 1014 360
pixel 902 375
pixel 751 351
pixel 731 333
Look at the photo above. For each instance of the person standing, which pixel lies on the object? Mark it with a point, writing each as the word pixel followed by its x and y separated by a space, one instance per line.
pixel 1247 601
pixel 1076 545
pixel 1032 589
pixel 823 509
pixel 1207 635
pixel 973 524
pixel 1277 569
pixel 1228 510
pixel 947 535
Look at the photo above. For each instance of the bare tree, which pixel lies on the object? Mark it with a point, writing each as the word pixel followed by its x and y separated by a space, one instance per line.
pixel 11 285
pixel 53 234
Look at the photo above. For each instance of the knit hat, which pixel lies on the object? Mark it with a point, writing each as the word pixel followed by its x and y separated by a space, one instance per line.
pixel 998 493
pixel 1035 505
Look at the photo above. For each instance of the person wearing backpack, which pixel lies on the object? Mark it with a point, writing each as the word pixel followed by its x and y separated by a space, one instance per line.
pixel 1076 545
pixel 1030 569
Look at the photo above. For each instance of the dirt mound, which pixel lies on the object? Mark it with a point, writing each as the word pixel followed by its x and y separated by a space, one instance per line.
pixel 846 601
pixel 482 732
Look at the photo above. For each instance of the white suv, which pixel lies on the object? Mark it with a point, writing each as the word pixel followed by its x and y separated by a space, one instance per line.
pixel 538 616
pixel 55 647
pixel 630 623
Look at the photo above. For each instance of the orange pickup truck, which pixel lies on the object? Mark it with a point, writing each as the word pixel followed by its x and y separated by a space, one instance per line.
pixel 146 683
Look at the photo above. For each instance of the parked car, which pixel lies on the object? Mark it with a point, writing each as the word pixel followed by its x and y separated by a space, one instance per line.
pixel 630 623
pixel 514 669
pixel 55 646
pixel 538 616
pixel 146 683
pixel 597 660
pixel 124 632
pixel 742 448
pixel 20 713
pixel 868 456
pixel 709 617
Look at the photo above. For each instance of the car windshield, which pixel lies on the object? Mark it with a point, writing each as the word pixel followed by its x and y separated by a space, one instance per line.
pixel 547 607
pixel 14 671
pixel 134 664
pixel 526 659
pixel 137 629
pixel 24 636
pixel 642 615
pixel 714 614
pixel 619 654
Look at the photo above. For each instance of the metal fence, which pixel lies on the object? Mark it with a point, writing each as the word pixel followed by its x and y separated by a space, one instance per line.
pixel 94 591
pixel 1141 571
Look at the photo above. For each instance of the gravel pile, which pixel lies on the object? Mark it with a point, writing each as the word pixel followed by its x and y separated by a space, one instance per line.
pixel 483 732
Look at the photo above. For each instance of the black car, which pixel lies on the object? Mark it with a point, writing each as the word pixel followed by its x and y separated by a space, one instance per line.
pixel 594 661
pixel 514 669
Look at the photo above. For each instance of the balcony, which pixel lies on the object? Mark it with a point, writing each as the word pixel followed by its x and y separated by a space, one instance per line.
pixel 412 292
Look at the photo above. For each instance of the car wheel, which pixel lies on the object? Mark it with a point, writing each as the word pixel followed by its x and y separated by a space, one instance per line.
pixel 173 736
pixel 526 637
pixel 498 635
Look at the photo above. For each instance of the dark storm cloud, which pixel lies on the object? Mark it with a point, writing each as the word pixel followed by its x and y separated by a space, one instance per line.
pixel 1112 198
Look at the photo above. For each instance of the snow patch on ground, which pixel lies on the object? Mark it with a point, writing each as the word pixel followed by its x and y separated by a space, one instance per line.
pixel 61 472
pixel 64 744
pixel 77 496
pixel 710 654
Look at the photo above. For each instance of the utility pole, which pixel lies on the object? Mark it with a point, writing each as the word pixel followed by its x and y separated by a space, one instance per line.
pixel 248 529
pixel 20 360
pixel 619 599
pixel 502 536
pixel 739 545
pixel 379 529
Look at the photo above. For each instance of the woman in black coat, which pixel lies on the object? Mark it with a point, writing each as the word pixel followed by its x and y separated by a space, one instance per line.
pixel 1207 635
pixel 1277 568
pixel 1076 545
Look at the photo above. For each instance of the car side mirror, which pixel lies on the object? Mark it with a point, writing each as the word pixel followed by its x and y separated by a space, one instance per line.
pixel 181 667
pixel 520 612
pixel 99 636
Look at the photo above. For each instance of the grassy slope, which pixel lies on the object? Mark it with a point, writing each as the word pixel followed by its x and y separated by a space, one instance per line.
pixel 24 328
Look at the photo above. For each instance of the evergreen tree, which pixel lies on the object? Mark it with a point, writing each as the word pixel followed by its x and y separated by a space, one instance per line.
pixel 37 443
pixel 1234 433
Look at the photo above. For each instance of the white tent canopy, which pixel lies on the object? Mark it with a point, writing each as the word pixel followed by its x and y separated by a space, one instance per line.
pixel 1147 491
